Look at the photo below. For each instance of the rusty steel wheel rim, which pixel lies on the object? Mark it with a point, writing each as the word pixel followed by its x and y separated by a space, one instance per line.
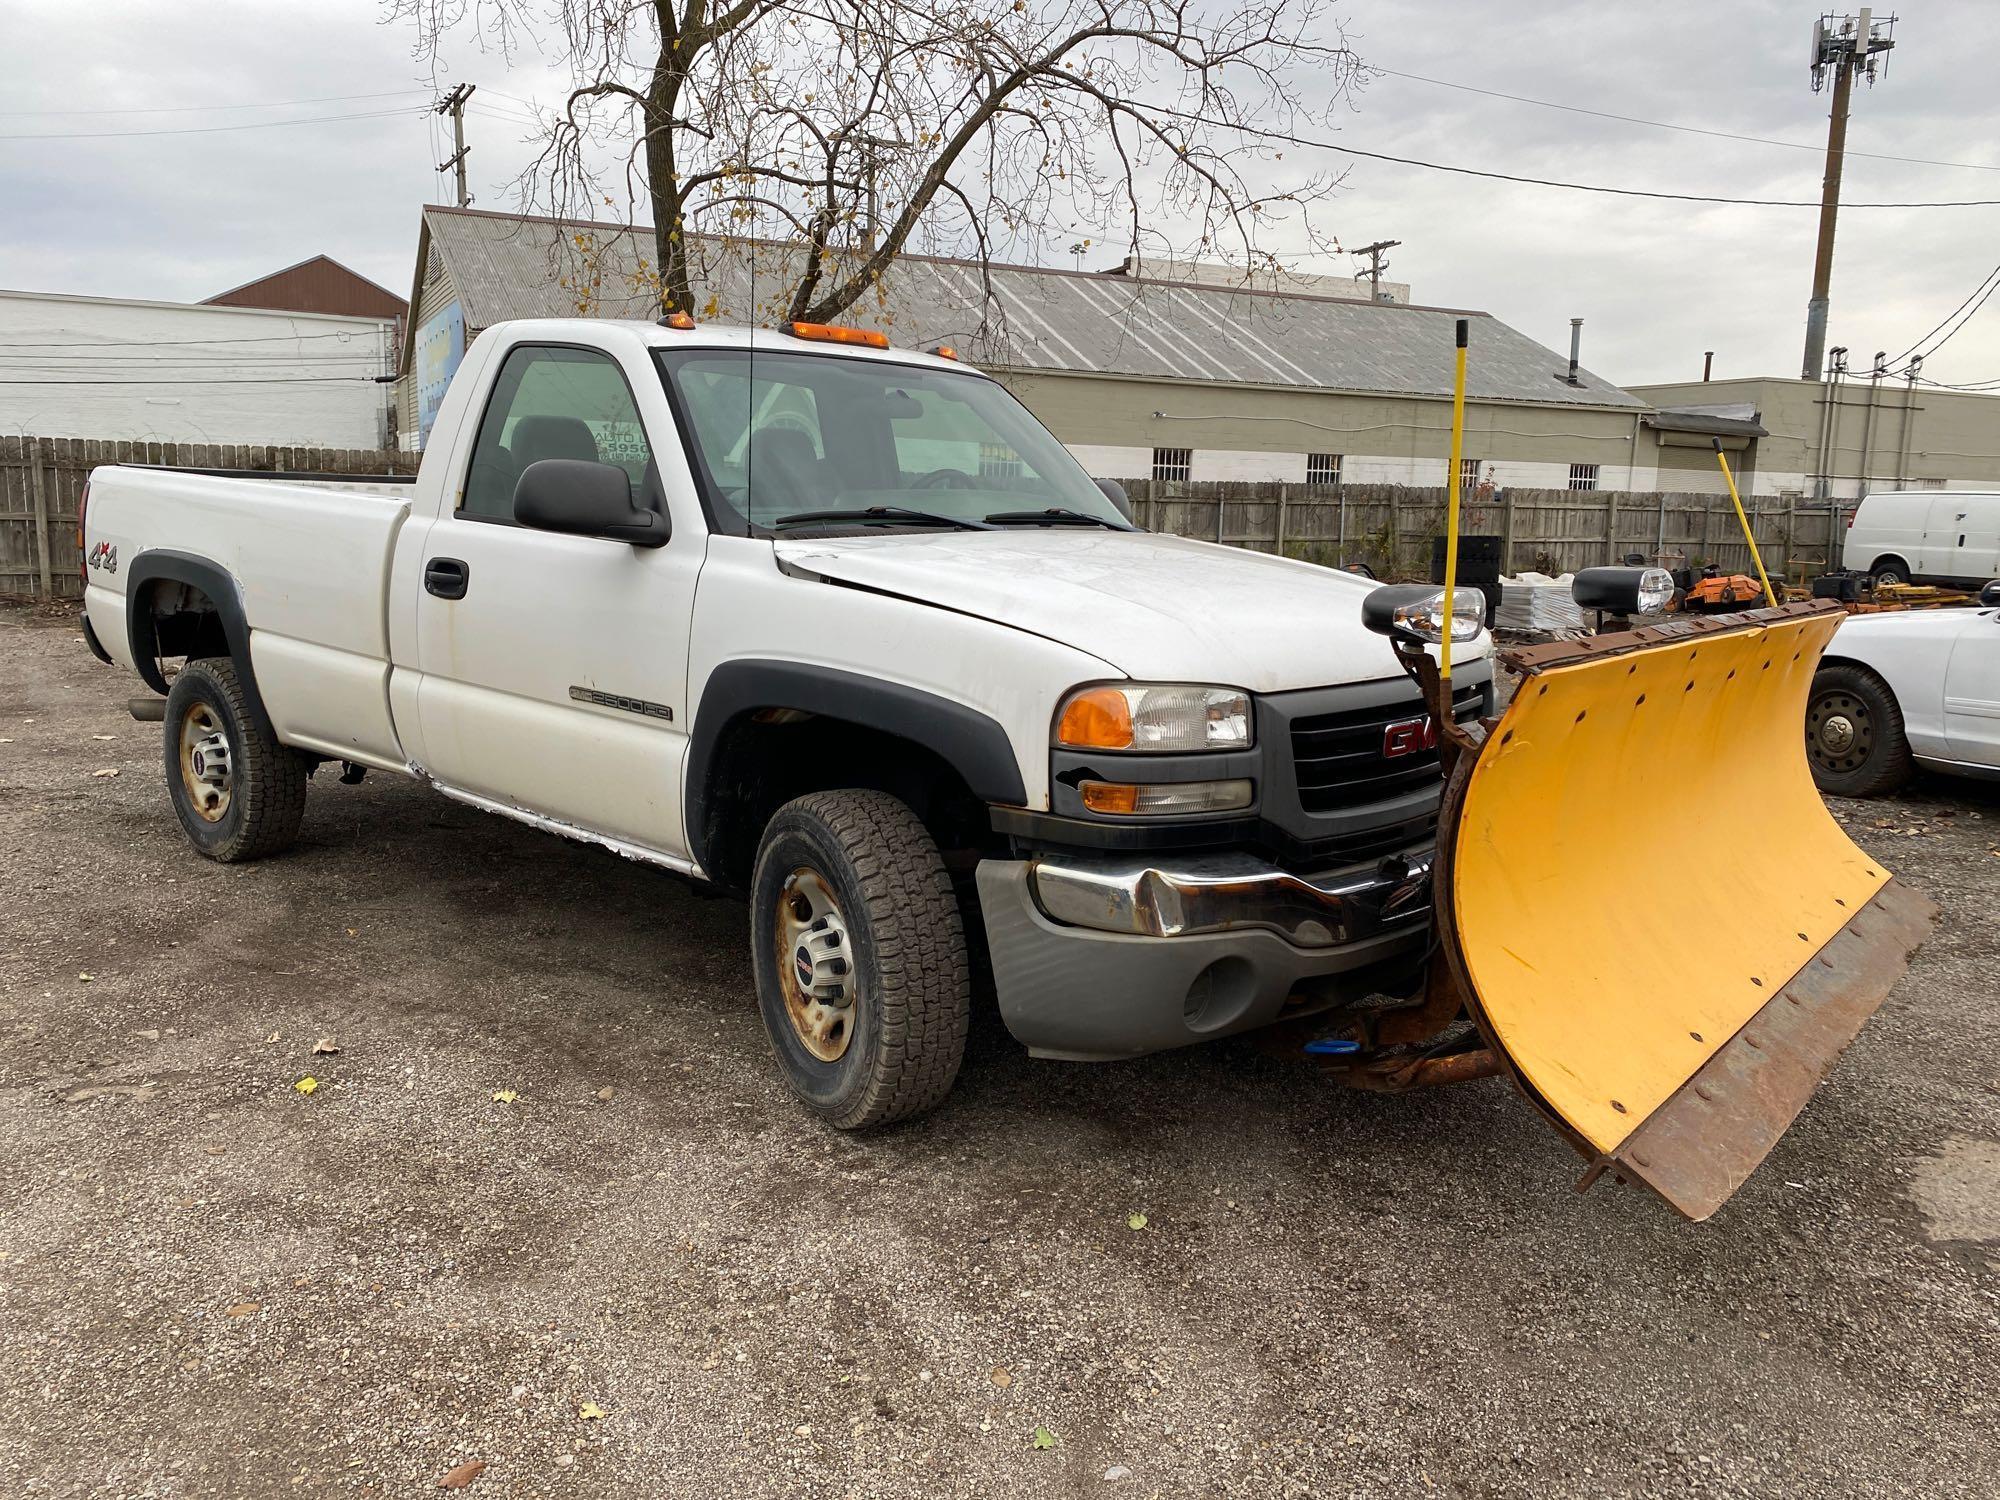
pixel 207 774
pixel 1840 732
pixel 815 964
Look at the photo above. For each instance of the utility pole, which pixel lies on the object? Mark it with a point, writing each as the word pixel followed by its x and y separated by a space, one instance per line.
pixel 1842 46
pixel 1376 265
pixel 453 104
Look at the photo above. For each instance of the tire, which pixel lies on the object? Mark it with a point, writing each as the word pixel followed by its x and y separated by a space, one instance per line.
pixel 853 878
pixel 255 806
pixel 1891 570
pixel 1854 734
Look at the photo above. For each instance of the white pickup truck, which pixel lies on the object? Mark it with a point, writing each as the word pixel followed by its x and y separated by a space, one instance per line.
pixel 837 627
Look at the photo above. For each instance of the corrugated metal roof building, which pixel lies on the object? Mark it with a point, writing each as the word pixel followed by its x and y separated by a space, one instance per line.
pixel 1140 377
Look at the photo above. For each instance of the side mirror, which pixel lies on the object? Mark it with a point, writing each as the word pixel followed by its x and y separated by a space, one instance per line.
pixel 1990 595
pixel 585 499
pixel 1115 493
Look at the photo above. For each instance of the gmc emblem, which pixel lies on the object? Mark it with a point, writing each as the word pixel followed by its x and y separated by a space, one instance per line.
pixel 1408 736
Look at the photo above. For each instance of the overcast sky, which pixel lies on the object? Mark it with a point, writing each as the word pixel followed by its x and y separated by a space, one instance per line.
pixel 182 216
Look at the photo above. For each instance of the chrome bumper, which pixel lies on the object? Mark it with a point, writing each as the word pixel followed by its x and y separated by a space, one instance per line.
pixel 1232 893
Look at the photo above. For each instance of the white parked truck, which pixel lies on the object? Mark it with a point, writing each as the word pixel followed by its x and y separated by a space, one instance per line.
pixel 838 627
pixel 845 630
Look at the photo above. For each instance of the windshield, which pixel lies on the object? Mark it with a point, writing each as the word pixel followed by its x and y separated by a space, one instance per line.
pixel 806 434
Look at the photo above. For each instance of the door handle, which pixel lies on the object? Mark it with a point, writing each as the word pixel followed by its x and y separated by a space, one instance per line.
pixel 446 577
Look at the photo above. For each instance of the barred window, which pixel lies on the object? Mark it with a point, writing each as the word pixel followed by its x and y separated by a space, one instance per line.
pixel 1468 475
pixel 998 461
pixel 1173 463
pixel 1583 476
pixel 1322 468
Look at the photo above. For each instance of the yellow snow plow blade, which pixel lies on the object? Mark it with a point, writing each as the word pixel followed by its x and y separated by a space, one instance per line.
pixel 1661 929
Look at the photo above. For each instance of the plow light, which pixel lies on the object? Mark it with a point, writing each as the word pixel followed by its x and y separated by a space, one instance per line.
pixel 1624 591
pixel 1415 612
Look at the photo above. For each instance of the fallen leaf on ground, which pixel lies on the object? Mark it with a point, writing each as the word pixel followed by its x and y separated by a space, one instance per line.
pixel 605 1096
pixel 590 1411
pixel 306 1085
pixel 1137 1221
pixel 1002 1379
pixel 326 1045
pixel 107 771
pixel 463 1475
pixel 504 1096
pixel 84 977
pixel 242 1309
pixel 1043 1438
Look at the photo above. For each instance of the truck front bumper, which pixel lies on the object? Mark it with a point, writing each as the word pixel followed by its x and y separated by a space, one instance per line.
pixel 1106 956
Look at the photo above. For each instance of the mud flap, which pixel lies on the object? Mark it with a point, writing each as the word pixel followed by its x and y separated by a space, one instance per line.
pixel 1669 1012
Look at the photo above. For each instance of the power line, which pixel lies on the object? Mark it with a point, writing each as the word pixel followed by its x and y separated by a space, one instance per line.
pixel 98 135
pixel 186 109
pixel 1575 187
pixel 1975 292
pixel 1724 135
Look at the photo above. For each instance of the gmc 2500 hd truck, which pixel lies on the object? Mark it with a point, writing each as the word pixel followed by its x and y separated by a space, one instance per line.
pixel 838 627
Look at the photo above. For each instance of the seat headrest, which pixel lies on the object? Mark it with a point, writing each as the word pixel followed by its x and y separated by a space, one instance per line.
pixel 537 438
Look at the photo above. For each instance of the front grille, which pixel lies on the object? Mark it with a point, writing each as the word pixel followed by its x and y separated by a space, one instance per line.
pixel 1338 756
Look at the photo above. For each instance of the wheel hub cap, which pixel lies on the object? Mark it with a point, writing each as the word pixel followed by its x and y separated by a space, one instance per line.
pixel 815 965
pixel 1839 732
pixel 206 773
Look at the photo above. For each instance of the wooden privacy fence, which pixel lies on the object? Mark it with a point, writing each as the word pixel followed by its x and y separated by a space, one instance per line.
pixel 1390 527
pixel 42 478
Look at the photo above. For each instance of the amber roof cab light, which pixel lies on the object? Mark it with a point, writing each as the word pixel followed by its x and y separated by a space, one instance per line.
pixel 944 351
pixel 828 333
pixel 682 321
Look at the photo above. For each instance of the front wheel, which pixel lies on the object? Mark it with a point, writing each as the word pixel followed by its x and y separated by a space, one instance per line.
pixel 238 793
pixel 860 958
pixel 1854 734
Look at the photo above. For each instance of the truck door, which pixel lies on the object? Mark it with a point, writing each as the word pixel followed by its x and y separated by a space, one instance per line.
pixel 554 666
pixel 1972 692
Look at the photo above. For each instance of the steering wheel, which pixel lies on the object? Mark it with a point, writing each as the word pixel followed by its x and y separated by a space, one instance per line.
pixel 946 479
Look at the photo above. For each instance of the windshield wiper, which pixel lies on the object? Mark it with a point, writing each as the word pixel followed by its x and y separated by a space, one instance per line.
pixel 1055 515
pixel 881 513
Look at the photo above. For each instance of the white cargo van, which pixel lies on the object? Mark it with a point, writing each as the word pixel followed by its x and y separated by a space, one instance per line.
pixel 1929 536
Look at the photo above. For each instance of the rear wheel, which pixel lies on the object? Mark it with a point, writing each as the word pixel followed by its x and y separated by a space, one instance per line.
pixel 237 792
pixel 1891 570
pixel 860 957
pixel 1854 734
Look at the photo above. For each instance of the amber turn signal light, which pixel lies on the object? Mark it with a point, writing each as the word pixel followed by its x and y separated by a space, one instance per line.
pixel 1096 719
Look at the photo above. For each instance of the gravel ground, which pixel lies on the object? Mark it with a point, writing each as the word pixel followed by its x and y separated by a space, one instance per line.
pixel 549 1207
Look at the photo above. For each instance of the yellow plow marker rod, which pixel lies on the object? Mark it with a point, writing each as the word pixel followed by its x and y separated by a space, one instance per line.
pixel 1451 503
pixel 1744 521
pixel 1607 999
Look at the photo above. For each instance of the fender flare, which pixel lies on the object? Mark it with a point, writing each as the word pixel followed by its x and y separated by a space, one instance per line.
pixel 972 743
pixel 162 565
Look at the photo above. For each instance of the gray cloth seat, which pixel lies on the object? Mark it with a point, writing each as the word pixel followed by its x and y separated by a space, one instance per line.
pixel 784 469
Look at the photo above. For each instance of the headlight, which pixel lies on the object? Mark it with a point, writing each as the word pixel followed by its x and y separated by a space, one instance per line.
pixel 1165 717
pixel 1416 612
